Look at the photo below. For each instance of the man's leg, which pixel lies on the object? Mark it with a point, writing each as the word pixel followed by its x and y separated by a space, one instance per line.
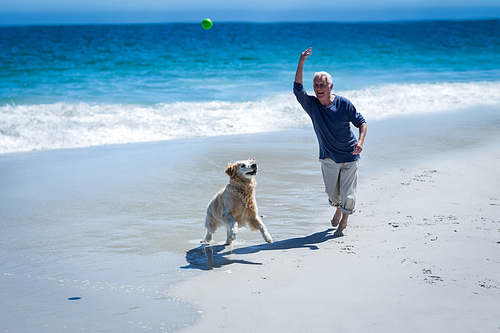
pixel 331 177
pixel 348 186
pixel 336 218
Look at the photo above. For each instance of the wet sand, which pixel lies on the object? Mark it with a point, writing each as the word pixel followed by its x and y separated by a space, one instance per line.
pixel 107 238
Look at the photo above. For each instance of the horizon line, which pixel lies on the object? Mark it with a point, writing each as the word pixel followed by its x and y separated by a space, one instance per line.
pixel 256 22
pixel 250 16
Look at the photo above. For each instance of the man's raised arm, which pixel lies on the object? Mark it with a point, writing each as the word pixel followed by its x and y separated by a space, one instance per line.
pixel 299 75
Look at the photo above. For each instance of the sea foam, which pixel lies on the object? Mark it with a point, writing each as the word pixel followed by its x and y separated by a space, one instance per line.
pixel 63 125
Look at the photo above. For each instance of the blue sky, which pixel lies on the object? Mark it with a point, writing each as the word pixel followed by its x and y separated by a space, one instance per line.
pixel 149 11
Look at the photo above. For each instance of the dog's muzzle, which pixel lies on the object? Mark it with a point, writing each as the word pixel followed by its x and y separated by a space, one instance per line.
pixel 254 171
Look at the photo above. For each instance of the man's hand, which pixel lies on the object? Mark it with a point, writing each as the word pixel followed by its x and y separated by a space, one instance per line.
pixel 358 146
pixel 304 55
pixel 300 68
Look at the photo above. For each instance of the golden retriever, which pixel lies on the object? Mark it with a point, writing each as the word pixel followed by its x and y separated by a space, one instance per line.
pixel 235 205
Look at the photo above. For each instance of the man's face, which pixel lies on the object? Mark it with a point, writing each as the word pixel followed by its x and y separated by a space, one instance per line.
pixel 322 88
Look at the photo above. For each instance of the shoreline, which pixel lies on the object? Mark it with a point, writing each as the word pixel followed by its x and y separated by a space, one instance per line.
pixel 107 228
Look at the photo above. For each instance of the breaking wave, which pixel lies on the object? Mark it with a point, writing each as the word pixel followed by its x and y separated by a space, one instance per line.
pixel 63 125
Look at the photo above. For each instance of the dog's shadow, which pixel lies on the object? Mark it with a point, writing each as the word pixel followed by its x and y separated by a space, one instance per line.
pixel 206 257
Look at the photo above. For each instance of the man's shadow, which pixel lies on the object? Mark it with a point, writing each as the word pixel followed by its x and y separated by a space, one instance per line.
pixel 206 257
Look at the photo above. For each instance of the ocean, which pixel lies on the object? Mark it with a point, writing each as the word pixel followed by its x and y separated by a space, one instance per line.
pixel 93 85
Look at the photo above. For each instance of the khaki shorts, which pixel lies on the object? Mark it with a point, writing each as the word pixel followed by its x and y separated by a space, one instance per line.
pixel 341 181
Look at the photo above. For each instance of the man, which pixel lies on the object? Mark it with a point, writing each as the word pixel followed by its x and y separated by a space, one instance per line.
pixel 339 150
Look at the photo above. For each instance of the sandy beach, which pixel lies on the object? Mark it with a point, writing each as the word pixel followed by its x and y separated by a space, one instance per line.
pixel 107 238
pixel 421 253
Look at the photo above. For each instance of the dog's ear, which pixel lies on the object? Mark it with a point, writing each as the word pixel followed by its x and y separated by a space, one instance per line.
pixel 230 170
pixel 252 160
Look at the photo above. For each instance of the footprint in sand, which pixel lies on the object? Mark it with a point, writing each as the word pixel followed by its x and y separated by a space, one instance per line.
pixel 349 249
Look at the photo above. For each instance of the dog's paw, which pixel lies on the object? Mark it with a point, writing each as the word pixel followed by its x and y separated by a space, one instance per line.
pixel 268 238
pixel 207 239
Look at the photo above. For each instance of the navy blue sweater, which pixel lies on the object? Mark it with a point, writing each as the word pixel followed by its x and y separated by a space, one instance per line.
pixel 332 125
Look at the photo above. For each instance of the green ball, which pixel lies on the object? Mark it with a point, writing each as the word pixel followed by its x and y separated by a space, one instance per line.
pixel 206 23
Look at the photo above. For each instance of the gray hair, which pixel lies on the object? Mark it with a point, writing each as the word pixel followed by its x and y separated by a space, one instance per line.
pixel 320 74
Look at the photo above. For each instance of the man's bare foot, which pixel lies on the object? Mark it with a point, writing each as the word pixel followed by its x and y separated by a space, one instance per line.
pixel 340 230
pixel 342 226
pixel 336 218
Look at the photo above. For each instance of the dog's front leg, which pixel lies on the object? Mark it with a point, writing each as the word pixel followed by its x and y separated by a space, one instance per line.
pixel 208 238
pixel 232 227
pixel 257 222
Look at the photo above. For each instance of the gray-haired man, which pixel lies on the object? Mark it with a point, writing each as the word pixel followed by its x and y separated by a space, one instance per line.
pixel 339 149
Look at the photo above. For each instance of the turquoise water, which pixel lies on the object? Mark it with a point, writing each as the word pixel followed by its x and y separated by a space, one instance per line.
pixel 74 86
pixel 233 61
